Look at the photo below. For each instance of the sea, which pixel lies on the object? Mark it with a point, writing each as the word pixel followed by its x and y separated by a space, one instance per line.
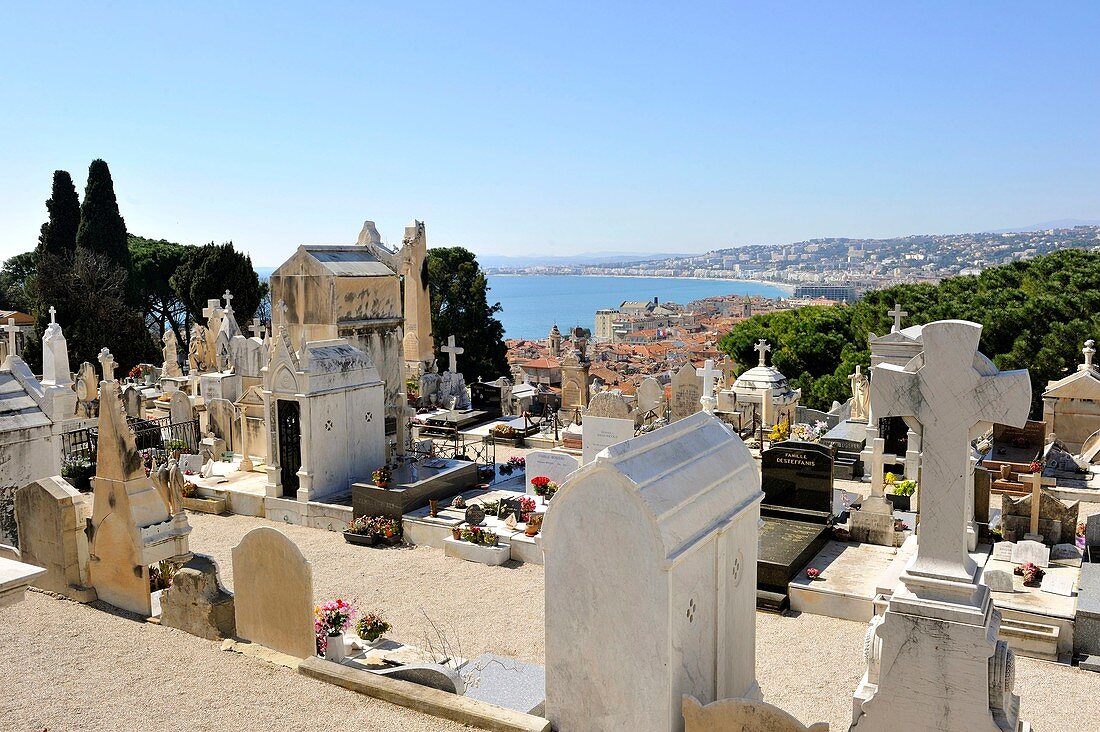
pixel 532 304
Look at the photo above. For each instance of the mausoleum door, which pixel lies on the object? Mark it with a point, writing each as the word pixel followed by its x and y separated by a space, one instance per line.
pixel 290 445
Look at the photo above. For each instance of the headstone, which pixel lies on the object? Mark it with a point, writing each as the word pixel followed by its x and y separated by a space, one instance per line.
pixel 603 432
pixel 554 465
pixel 1056 520
pixel 741 715
pixel 1086 631
pixel 798 476
pixel 475 515
pixel 179 408
pixel 609 404
pixel 131 401
pixel 1031 551
pixel 222 420
pixel 1002 551
pixel 196 602
pixel 1062 552
pixel 651 397
pixel 687 389
pixel 273 595
pixel 431 675
pixel 680 618
pixel 52 517
pixel 998 580
pixel 1057 584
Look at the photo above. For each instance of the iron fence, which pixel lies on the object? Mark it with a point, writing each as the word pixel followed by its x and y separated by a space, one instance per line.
pixel 159 435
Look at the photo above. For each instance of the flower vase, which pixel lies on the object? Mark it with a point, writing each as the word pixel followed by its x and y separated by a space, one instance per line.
pixel 336 650
pixel 456 533
pixel 433 507
pixel 372 643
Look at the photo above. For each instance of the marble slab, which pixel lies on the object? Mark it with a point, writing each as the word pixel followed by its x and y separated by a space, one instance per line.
pixel 15 577
pixel 506 682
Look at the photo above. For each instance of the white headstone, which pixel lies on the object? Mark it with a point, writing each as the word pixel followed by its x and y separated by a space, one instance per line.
pixel 452 352
pixel 554 465
pixel 55 355
pixel 680 616
pixel 1058 583
pixel 1035 552
pixel 601 433
pixel 1002 551
pixel 998 580
pixel 179 407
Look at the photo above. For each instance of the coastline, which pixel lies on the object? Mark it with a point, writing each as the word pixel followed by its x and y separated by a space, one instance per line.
pixel 787 288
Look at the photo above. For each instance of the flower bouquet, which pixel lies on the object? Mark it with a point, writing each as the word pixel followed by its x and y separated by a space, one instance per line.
pixel 331 619
pixel 1032 573
pixel 382 477
pixel 371 627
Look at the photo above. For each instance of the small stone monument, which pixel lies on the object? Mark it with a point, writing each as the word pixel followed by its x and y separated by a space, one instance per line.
pixel 680 616
pixel 273 601
pixel 52 516
pixel 687 388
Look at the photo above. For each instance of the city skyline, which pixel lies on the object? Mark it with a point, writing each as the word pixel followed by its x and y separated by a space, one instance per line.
pixel 515 131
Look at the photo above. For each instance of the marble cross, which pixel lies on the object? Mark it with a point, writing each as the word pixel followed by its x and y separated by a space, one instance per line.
pixel 211 309
pixel 878 466
pixel 709 374
pixel 1038 482
pixel 279 311
pixel 897 314
pixel 257 328
pixel 107 361
pixel 11 329
pixel 53 315
pixel 948 389
pixel 762 348
pixel 452 351
pixel 228 296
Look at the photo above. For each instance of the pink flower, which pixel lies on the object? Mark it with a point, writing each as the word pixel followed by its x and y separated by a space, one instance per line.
pixel 813 573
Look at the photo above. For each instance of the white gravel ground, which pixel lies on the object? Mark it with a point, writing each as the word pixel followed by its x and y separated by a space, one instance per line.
pixel 67 666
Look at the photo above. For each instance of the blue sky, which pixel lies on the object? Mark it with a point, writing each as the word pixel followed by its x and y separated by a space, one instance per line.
pixel 560 128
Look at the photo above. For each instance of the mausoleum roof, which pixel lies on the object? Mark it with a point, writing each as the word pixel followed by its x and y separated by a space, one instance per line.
pixel 759 378
pixel 348 261
pixel 18 409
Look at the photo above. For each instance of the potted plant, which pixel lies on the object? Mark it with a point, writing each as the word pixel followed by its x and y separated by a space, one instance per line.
pixel 456 533
pixel 359 532
pixel 540 483
pixel 193 501
pixel 386 530
pixel 901 494
pixel 534 523
pixel 371 627
pixel 329 623
pixel 551 489
pixel 382 477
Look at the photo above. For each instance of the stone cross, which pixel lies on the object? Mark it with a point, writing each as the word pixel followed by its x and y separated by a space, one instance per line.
pixel 279 311
pixel 1089 350
pixel 762 348
pixel 211 309
pixel 228 296
pixel 257 328
pixel 897 314
pixel 948 389
pixel 11 329
pixel 452 351
pixel 709 374
pixel 878 466
pixel 1037 482
pixel 107 361
pixel 53 315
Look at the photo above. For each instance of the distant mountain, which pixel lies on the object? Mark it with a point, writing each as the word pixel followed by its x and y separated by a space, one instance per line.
pixel 500 260
pixel 1058 224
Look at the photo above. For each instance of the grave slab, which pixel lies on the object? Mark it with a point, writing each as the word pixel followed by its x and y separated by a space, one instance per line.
pixel 506 682
pixel 494 556
pixel 412 486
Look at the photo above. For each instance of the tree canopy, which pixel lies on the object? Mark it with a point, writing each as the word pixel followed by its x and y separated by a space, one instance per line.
pixel 1035 315
pixel 59 232
pixel 102 228
pixel 460 307
pixel 206 272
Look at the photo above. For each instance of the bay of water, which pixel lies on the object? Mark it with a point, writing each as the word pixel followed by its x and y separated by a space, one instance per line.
pixel 534 303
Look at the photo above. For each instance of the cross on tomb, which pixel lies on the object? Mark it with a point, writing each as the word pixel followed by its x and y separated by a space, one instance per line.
pixel 1037 482
pixel 280 311
pixel 709 374
pixel 948 389
pixel 452 351
pixel 878 466
pixel 10 328
pixel 211 309
pixel 107 361
pixel 257 328
pixel 228 296
pixel 53 315
pixel 762 348
pixel 897 314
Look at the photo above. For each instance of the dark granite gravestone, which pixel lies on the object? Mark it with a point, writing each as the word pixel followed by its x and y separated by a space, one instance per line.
pixel 797 479
pixel 486 398
pixel 412 486
pixel 475 515
pixel 510 505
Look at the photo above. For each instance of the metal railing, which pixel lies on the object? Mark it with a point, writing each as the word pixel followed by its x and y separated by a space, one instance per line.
pixel 159 435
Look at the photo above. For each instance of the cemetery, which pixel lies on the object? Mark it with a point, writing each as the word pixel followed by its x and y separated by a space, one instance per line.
pixel 288 503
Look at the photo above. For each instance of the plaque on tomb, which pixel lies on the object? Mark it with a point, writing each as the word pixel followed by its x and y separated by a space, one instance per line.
pixel 1002 551
pixel 797 478
pixel 487 398
pixel 510 506
pixel 475 515
pixel 1031 551
pixel 1058 584
pixel 998 580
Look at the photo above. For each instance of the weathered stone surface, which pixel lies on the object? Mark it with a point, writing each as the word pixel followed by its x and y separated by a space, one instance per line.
pixel 428 674
pixel 273 597
pixel 998 580
pixel 651 396
pixel 687 388
pixel 221 419
pixel 1057 518
pixel 197 603
pixel 738 715
pixel 179 408
pixel 52 517
pixel 554 465
pixel 608 404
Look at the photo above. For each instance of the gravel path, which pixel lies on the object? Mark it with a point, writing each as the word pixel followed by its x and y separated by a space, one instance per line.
pixel 67 666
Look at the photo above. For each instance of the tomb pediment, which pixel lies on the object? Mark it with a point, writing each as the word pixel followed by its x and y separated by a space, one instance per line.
pixel 1080 385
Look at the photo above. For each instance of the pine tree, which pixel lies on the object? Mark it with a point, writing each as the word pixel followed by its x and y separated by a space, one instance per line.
pixel 59 233
pixel 101 226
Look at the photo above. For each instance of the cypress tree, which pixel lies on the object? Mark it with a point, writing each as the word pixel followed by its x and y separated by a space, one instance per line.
pixel 101 226
pixel 59 233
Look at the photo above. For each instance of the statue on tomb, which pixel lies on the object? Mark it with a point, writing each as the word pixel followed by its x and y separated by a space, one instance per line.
pixel 171 343
pixel 861 395
pixel 87 390
pixel 169 480
pixel 429 387
pixel 197 356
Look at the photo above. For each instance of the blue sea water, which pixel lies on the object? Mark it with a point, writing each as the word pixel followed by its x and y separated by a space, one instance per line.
pixel 534 303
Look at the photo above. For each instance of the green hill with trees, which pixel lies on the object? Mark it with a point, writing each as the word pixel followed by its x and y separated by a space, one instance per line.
pixel 1036 315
